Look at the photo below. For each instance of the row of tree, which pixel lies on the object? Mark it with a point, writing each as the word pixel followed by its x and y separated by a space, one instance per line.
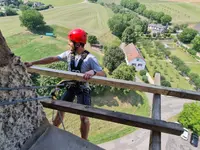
pixel 180 65
pixel 185 70
pixel 159 17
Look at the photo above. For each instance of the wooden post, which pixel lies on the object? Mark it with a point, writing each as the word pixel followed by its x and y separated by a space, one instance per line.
pixel 155 137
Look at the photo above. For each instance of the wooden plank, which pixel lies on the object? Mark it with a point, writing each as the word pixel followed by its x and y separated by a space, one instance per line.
pixel 122 118
pixel 155 137
pixel 118 83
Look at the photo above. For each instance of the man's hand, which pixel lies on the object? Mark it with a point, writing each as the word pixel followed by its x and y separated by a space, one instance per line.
pixel 28 64
pixel 88 75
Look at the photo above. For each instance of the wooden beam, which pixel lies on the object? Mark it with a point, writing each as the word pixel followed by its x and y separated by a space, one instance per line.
pixel 118 83
pixel 155 137
pixel 122 118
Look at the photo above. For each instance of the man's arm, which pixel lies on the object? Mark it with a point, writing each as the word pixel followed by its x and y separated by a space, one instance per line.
pixel 43 61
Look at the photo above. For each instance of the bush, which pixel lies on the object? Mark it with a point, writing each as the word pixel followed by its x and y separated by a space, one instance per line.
pixel 165 83
pixel 143 72
pixel 42 7
pixel 92 39
pixel 2 14
pixel 145 79
pixel 190 117
pixel 10 11
pixel 192 52
pixel 32 19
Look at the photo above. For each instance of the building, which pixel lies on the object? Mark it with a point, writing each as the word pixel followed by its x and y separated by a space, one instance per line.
pixel 133 56
pixel 157 28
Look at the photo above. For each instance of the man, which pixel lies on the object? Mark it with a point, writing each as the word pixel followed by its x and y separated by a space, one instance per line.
pixel 79 60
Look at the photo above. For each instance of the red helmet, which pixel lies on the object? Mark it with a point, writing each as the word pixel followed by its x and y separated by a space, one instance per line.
pixel 78 36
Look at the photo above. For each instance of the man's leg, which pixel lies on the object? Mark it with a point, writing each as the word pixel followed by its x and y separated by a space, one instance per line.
pixel 69 96
pixel 85 127
pixel 84 98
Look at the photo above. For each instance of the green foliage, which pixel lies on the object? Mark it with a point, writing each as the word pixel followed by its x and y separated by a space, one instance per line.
pixel 129 35
pixel 166 19
pixel 113 57
pixel 118 24
pixel 32 19
pixel 187 35
pixel 180 65
pixel 190 117
pixel 165 83
pixel 47 80
pixel 93 1
pixel 145 79
pixel 130 4
pixel 124 72
pixel 23 7
pixel 10 11
pixel 92 39
pixel 143 72
pixel 192 52
pixel 196 44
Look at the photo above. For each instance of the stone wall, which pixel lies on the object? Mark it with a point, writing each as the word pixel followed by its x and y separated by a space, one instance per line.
pixel 17 122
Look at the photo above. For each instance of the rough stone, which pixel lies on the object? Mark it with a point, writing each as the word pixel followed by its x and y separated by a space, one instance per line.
pixel 17 122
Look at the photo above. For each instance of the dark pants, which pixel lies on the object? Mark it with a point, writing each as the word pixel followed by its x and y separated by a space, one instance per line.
pixel 83 95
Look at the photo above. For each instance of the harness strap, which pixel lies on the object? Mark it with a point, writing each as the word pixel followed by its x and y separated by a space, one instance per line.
pixel 72 63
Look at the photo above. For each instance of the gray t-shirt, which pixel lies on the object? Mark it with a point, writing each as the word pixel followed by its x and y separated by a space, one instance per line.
pixel 89 63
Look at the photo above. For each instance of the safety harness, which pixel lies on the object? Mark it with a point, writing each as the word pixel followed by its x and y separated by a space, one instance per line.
pixel 72 61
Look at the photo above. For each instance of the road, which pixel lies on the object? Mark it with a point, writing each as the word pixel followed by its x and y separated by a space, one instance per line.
pixel 139 140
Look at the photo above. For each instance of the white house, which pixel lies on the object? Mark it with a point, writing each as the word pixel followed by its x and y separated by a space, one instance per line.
pixel 157 28
pixel 133 56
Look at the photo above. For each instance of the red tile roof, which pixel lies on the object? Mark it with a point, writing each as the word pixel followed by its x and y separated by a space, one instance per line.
pixel 131 52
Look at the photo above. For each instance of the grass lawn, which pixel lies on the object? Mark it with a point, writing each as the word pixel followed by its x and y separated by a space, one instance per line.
pixel 103 131
pixel 91 17
pixel 60 2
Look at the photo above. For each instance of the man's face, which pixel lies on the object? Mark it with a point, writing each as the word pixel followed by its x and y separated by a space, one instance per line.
pixel 71 44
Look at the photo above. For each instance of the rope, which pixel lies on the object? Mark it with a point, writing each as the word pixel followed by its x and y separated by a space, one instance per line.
pixel 30 87
pixel 24 100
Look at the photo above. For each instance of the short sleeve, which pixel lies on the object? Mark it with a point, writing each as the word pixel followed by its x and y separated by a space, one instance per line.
pixel 94 64
pixel 63 56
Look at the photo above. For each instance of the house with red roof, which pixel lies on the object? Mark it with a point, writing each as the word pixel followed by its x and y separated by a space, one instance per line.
pixel 133 56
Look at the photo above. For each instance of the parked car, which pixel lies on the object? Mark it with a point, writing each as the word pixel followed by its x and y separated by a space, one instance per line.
pixel 194 139
pixel 185 134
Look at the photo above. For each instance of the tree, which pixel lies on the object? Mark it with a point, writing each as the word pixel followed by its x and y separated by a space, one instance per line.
pixel 92 39
pixel 166 19
pixel 10 11
pixel 124 72
pixel 145 79
pixel 196 44
pixel 143 72
pixel 113 58
pixel 129 35
pixel 118 24
pixel 187 35
pixel 32 19
pixel 165 83
pixel 190 117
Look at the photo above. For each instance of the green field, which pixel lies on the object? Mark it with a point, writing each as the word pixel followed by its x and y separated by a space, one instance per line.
pixel 60 2
pixel 103 131
pixel 180 12
pixel 91 17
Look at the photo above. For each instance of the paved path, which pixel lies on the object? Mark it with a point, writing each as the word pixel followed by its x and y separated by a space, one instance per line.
pixel 139 140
